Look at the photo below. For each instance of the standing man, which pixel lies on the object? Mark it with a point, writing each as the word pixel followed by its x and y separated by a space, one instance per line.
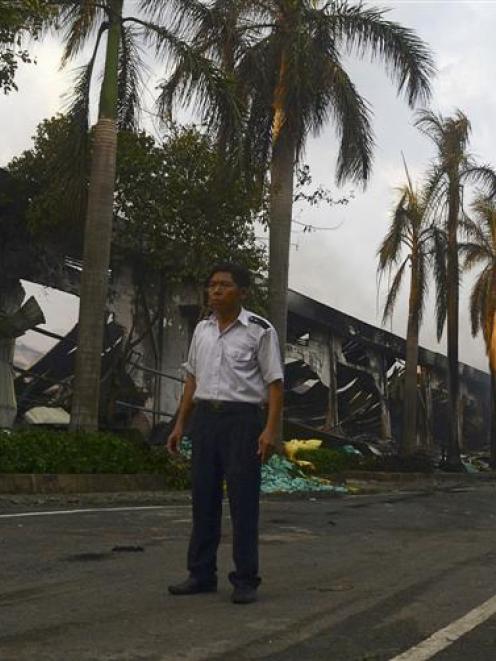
pixel 233 370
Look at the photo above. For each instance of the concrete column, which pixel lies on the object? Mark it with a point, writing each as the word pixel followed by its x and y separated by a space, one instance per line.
pixel 323 351
pixel 176 341
pixel 378 367
pixel 332 419
pixel 11 297
pixel 128 312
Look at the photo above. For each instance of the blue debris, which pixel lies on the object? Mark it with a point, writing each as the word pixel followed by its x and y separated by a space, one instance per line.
pixel 349 449
pixel 279 475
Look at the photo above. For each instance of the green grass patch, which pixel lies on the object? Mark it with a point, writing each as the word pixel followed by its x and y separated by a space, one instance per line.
pixel 419 462
pixel 46 451
pixel 327 461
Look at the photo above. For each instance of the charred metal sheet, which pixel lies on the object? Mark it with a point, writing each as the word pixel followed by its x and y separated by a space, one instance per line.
pixel 305 313
pixel 365 366
pixel 48 376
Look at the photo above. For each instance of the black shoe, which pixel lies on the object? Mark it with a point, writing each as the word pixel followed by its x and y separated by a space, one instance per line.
pixel 244 594
pixel 192 586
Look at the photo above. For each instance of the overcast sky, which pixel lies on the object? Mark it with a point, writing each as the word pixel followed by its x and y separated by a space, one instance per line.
pixel 336 267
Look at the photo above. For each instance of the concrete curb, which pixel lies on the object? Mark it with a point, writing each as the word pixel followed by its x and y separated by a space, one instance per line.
pixel 47 484
pixel 379 476
pixel 19 483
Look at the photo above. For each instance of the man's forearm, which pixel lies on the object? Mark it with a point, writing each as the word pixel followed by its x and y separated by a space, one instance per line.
pixel 186 405
pixel 275 403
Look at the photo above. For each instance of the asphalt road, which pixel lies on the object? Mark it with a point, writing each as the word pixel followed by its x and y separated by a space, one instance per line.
pixel 344 579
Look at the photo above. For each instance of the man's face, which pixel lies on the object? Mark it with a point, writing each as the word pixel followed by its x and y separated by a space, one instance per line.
pixel 224 293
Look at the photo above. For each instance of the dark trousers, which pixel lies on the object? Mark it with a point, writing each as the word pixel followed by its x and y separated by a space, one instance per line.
pixel 225 446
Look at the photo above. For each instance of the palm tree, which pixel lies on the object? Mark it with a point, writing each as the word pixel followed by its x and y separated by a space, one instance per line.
pixel 408 243
pixel 480 250
pixel 80 21
pixel 284 58
pixel 452 168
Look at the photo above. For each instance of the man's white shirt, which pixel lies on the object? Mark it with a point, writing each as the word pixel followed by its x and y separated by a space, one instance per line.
pixel 236 364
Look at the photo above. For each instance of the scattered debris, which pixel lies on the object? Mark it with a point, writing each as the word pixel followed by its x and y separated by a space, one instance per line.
pixel 292 447
pixel 47 415
pixel 128 549
pixel 476 462
pixel 279 475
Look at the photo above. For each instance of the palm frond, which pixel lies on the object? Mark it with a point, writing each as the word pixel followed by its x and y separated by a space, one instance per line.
pixel 481 230
pixel 131 69
pixel 79 20
pixel 433 195
pixel 406 57
pixel 430 124
pixel 73 163
pixel 352 124
pixel 221 32
pixel 477 233
pixel 472 254
pixel 179 14
pixel 407 174
pixel 449 134
pixel 79 98
pixel 481 175
pixel 440 277
pixel 486 212
pixel 196 81
pixel 481 249
pixel 389 252
pixel 479 300
pixel 393 291
pixel 256 71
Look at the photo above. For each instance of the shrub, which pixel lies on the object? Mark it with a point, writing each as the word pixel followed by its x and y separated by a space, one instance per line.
pixel 47 451
pixel 328 461
pixel 420 462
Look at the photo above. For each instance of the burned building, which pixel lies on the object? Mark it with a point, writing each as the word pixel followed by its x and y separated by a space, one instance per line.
pixel 347 376
pixel 343 376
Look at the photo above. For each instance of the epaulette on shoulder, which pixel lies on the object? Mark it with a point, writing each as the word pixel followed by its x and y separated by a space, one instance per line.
pixel 259 321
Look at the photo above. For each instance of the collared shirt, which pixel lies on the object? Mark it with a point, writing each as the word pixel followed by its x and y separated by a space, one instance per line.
pixel 236 364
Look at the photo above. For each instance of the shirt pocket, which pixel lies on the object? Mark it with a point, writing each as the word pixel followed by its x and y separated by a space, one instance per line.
pixel 241 358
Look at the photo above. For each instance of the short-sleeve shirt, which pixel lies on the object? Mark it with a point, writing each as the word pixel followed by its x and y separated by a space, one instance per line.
pixel 236 364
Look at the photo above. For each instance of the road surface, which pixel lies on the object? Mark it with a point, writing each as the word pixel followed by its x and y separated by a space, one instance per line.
pixel 407 576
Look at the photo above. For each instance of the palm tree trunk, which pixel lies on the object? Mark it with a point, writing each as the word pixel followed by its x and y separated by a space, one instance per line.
pixel 410 403
pixel 281 208
pixel 492 438
pixel 97 240
pixel 492 366
pixel 453 454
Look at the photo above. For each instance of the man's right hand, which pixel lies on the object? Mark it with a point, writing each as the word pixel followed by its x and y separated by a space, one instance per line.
pixel 174 439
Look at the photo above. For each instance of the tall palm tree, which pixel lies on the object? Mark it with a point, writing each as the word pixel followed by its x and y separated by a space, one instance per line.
pixel 285 60
pixel 82 21
pixel 480 250
pixel 408 244
pixel 451 170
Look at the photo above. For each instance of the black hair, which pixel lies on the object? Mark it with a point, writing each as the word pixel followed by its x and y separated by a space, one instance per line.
pixel 240 274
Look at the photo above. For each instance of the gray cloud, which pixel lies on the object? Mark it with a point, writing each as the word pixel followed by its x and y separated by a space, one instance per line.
pixel 339 267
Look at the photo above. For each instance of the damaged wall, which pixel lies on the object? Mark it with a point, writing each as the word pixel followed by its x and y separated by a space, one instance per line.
pixel 342 375
pixel 365 363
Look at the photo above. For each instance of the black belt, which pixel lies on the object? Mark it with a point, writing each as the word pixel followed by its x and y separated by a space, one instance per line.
pixel 224 406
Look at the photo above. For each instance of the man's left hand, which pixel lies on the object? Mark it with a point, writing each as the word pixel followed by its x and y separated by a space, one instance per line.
pixel 266 444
